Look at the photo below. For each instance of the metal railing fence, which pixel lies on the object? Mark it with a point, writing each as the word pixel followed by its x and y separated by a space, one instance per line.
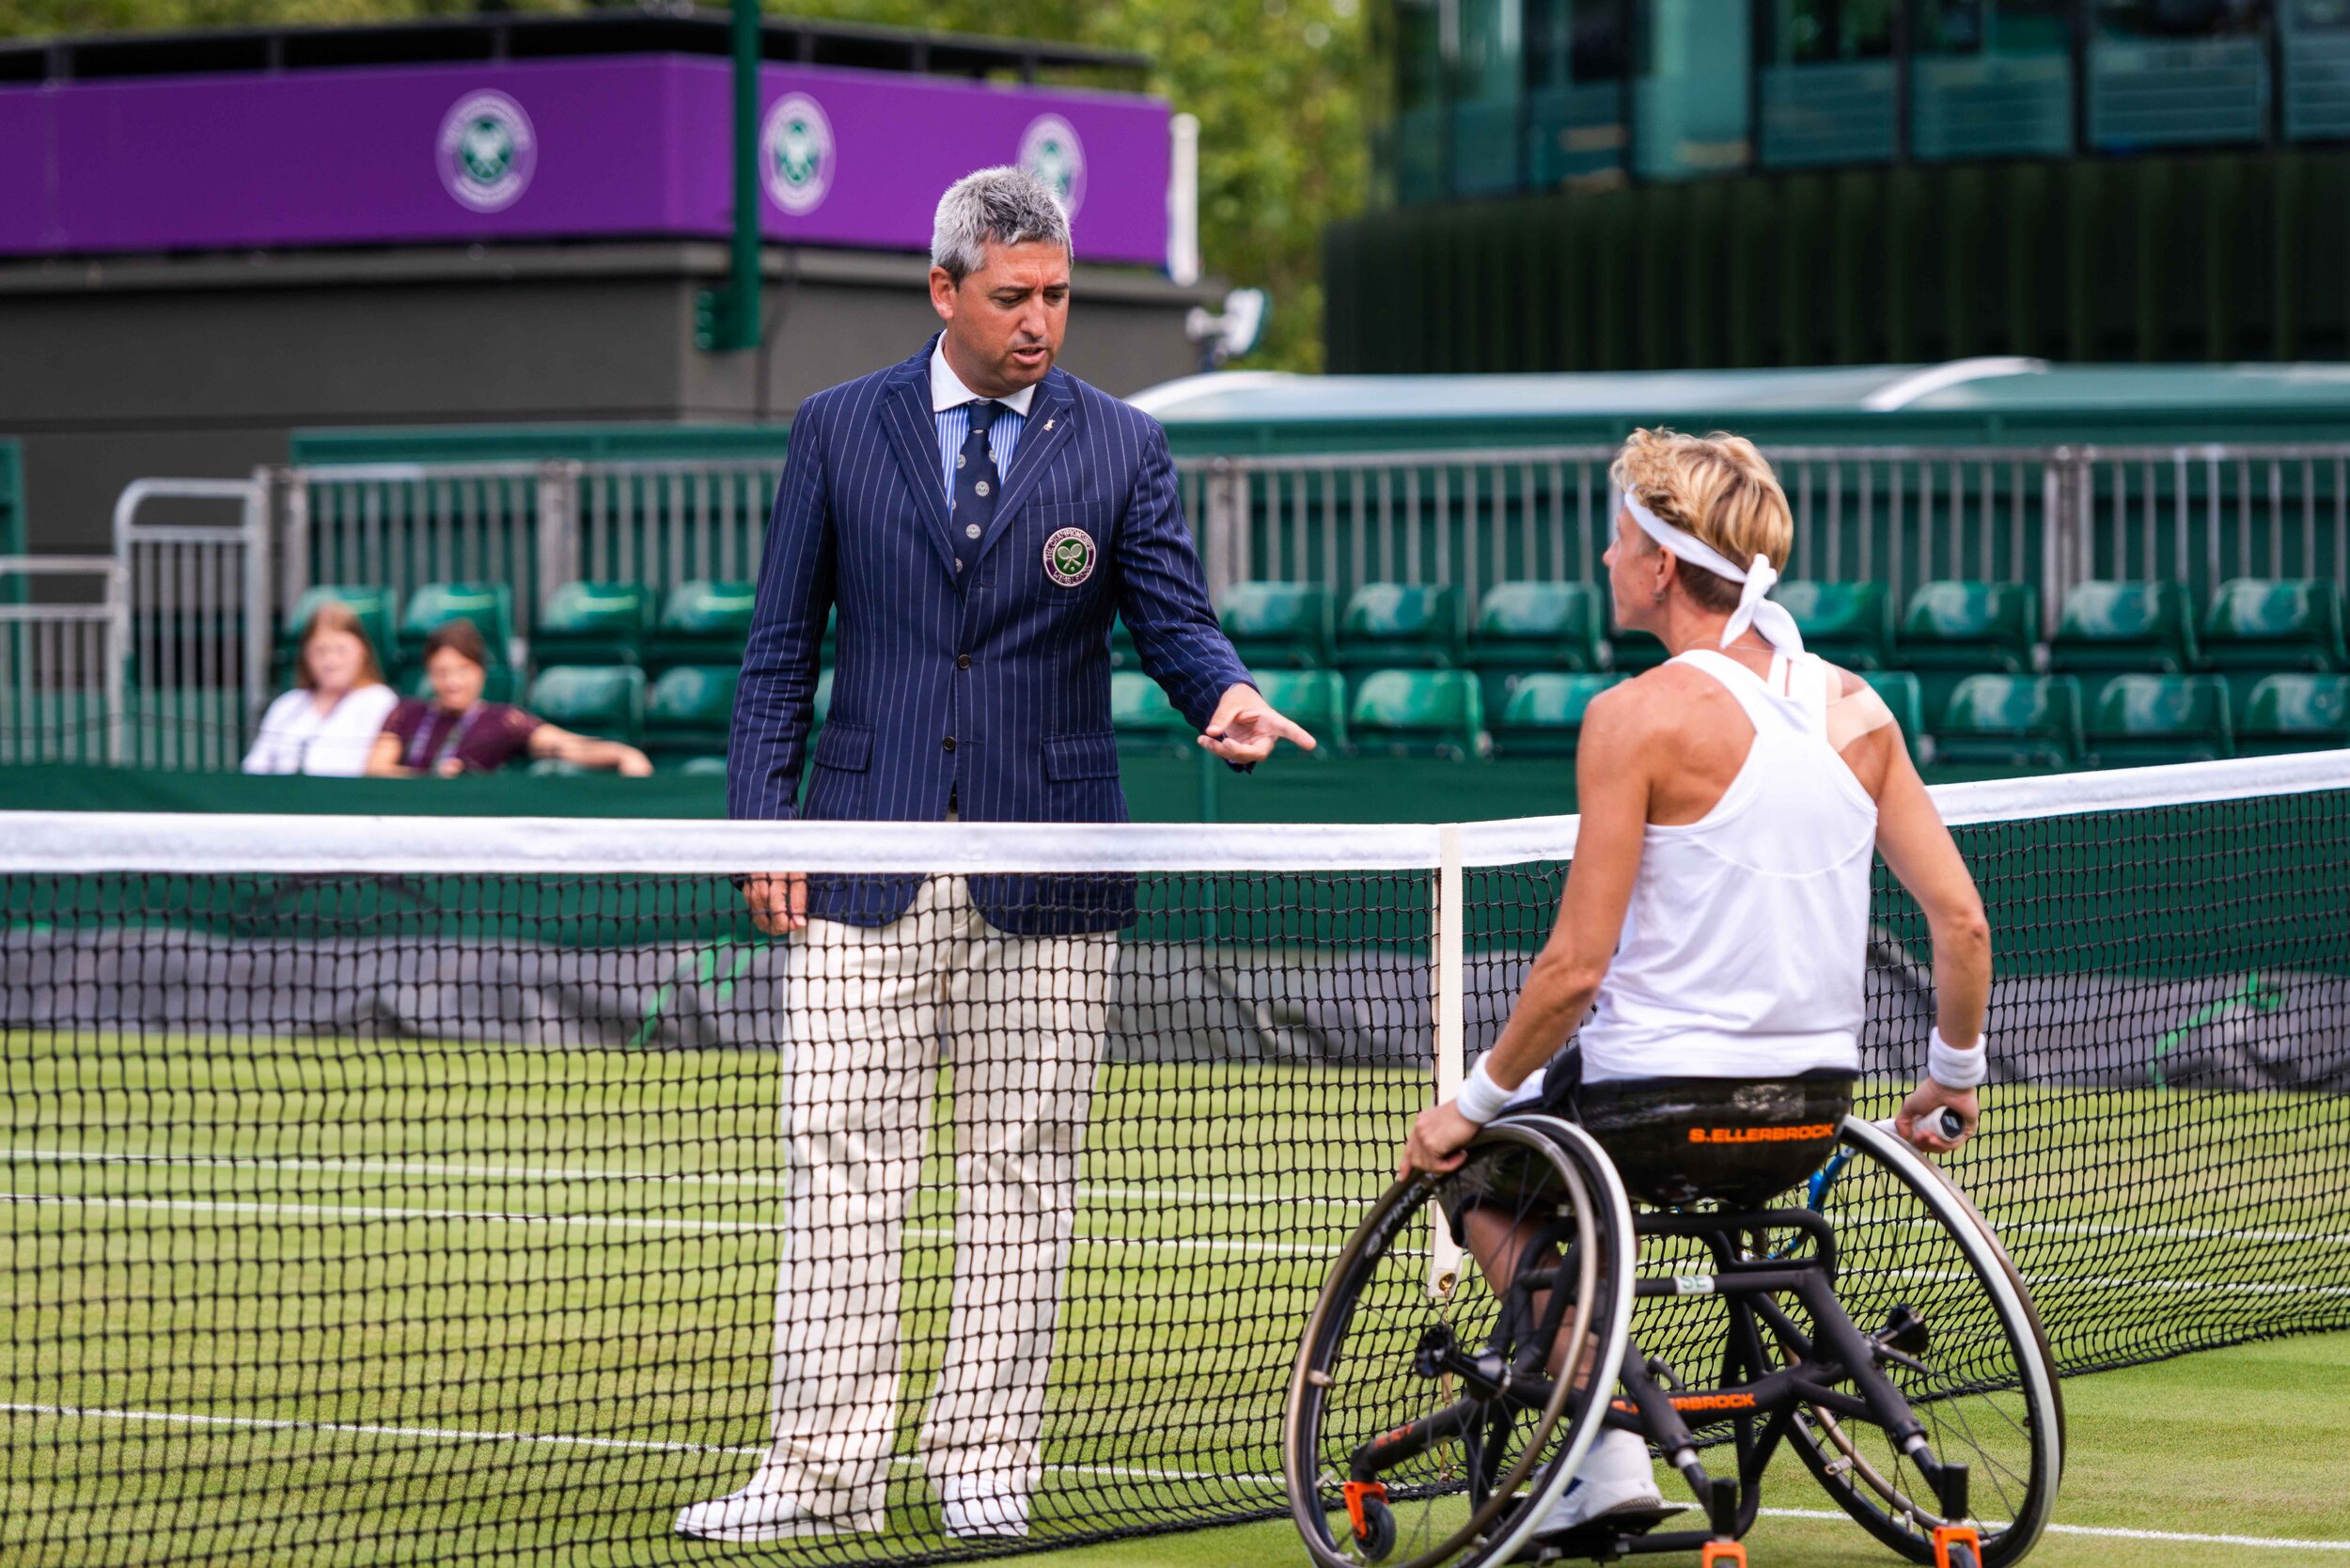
pixel 202 604
pixel 61 662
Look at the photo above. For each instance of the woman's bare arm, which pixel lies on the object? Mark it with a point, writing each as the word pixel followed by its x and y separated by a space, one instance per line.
pixel 1919 851
pixel 587 752
pixel 383 761
pixel 1613 773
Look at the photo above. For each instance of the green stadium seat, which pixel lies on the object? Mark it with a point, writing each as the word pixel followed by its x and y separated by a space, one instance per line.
pixel 703 622
pixel 1145 720
pixel 819 706
pixel 1953 629
pixel 2126 627
pixel 1314 699
pixel 604 700
pixel 689 711
pixel 2021 721
pixel 1399 626
pixel 1419 713
pixel 701 767
pixel 2259 626
pixel 1545 714
pixel 593 623
pixel 372 603
pixel 1525 627
pixel 2296 713
pixel 499 683
pixel 1279 625
pixel 1124 654
pixel 1845 624
pixel 489 605
pixel 1904 694
pixel 557 767
pixel 2142 720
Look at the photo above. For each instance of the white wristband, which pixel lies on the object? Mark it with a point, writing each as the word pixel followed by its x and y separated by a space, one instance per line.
pixel 1480 1099
pixel 1953 1068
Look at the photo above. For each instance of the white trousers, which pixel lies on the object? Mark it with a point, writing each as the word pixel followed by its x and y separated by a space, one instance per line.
pixel 1022 1019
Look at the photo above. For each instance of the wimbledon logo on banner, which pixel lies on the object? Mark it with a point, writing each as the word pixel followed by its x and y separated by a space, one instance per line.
pixel 488 151
pixel 1049 148
pixel 795 148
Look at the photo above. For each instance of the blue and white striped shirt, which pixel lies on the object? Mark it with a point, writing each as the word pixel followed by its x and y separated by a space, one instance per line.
pixel 951 403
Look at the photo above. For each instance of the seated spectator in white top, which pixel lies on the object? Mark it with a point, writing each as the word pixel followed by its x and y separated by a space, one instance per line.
pixel 327 725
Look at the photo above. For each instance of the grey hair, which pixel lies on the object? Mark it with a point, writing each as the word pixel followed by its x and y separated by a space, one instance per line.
pixel 1008 205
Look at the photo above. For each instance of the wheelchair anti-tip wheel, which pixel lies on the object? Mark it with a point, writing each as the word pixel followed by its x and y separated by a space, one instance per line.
pixel 1427 1430
pixel 1920 1271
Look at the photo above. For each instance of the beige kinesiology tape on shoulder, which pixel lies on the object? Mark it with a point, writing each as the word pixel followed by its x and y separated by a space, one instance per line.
pixel 1854 714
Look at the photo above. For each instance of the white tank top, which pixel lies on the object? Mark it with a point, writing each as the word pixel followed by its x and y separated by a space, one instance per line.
pixel 1746 945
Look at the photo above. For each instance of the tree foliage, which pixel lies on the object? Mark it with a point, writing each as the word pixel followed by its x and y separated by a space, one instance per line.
pixel 1277 85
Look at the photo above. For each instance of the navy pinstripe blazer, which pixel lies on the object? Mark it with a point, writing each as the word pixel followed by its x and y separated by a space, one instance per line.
pixel 990 685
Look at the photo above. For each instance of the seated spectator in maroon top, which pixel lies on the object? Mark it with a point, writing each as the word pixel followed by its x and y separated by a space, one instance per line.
pixel 457 733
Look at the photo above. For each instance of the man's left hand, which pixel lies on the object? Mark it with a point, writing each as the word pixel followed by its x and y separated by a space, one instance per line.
pixel 1437 1138
pixel 1245 726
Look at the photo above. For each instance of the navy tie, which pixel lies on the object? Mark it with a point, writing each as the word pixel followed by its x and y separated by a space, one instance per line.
pixel 975 481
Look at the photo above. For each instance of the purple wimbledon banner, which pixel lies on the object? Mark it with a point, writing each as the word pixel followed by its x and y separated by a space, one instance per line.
pixel 633 146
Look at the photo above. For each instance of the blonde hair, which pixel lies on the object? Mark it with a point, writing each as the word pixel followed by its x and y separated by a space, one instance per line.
pixel 334 615
pixel 1718 487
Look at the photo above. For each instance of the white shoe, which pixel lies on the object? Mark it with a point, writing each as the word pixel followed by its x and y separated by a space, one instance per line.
pixel 1616 1480
pixel 759 1514
pixel 976 1511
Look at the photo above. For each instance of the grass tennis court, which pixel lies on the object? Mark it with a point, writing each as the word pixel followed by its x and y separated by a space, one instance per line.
pixel 329 1302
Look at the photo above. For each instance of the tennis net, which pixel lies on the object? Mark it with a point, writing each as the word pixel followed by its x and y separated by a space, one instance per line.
pixel 403 1190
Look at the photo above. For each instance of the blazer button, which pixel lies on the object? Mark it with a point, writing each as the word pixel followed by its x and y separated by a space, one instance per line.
pixel 951 742
pixel 963 661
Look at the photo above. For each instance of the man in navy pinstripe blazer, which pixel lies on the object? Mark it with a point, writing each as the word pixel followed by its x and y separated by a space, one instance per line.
pixel 978 517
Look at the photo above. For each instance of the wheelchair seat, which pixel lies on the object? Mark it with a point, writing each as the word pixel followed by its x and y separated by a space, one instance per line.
pixel 1741 1142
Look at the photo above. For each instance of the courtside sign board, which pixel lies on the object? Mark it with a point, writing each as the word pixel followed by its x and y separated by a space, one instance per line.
pixel 634 146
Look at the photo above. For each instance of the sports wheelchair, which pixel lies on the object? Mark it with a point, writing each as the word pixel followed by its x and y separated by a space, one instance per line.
pixel 1434 1417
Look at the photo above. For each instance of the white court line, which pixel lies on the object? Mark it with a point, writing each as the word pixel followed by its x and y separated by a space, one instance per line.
pixel 462 1435
pixel 1141 1192
pixel 1138 1192
pixel 2038 1282
pixel 636 1222
pixel 2117 1533
pixel 466 1435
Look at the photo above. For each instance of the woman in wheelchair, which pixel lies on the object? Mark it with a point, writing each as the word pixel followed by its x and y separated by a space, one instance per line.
pixel 1716 917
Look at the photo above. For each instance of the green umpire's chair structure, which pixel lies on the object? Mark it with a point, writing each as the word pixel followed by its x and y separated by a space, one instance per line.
pixel 604 700
pixel 1527 628
pixel 593 623
pixel 1147 723
pixel 689 711
pixel 2261 626
pixel 1544 716
pixel 703 621
pixel 489 605
pixel 2125 629
pixel 370 603
pixel 1419 713
pixel 2142 720
pixel 2012 721
pixel 1955 628
pixel 1846 624
pixel 1399 626
pixel 1904 694
pixel 2296 713
pixel 1314 699
pixel 1278 625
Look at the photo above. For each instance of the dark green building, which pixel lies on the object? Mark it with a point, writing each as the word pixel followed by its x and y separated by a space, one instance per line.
pixel 1627 185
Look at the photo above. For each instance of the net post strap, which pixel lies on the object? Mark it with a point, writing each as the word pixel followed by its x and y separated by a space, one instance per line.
pixel 1444 1248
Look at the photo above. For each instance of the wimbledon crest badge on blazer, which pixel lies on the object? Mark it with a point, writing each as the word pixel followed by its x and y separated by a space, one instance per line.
pixel 1070 556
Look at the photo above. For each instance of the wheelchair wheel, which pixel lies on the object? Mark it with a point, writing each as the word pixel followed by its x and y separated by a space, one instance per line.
pixel 1920 1270
pixel 1428 1431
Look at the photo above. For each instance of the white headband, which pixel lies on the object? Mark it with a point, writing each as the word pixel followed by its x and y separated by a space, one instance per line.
pixel 1754 608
